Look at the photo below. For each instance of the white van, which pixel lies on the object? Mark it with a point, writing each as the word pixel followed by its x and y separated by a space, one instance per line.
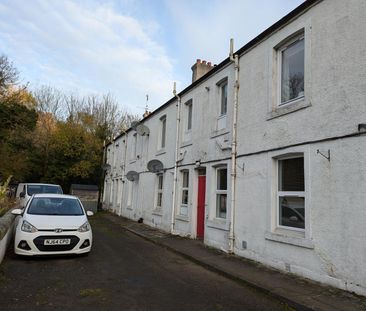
pixel 26 190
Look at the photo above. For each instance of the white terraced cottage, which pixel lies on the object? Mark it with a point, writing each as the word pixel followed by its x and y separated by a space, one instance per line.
pixel 263 155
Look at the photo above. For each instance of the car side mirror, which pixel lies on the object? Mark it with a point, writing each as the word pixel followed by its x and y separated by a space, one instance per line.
pixel 22 194
pixel 17 211
pixel 89 213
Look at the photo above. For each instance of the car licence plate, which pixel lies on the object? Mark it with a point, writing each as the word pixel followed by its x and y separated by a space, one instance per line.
pixel 57 242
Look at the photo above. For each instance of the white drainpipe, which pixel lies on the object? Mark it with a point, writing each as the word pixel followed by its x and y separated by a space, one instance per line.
pixel 123 174
pixel 172 223
pixel 235 60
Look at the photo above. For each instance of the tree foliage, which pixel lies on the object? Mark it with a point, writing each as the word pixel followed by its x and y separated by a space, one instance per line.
pixel 18 119
pixel 49 136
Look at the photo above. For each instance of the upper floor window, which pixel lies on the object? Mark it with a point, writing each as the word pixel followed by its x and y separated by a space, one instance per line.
pixel 291 193
pixel 133 147
pixel 221 192
pixel 162 132
pixel 223 98
pixel 114 157
pixel 189 109
pixel 222 104
pixel 291 63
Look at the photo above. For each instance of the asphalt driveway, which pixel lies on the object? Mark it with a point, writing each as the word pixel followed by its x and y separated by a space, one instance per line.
pixel 123 272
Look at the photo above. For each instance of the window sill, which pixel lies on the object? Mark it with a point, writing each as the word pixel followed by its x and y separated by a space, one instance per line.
pixel 218 223
pixel 289 237
pixel 288 108
pixel 221 132
pixel 157 212
pixel 132 161
pixel 182 218
pixel 129 208
pixel 160 152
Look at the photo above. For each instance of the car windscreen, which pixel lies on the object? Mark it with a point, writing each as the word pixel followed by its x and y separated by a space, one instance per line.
pixel 34 189
pixel 55 206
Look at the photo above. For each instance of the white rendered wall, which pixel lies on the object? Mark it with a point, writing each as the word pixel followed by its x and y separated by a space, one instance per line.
pixel 335 90
pixel 332 249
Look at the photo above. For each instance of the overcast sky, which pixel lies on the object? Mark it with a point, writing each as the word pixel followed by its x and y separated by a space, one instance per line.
pixel 129 48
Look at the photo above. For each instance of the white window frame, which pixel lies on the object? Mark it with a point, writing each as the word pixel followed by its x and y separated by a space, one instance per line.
pixel 114 157
pixel 133 152
pixel 159 191
pixel 189 114
pixel 301 194
pixel 111 193
pixel 272 186
pixel 130 194
pixel 119 192
pixel 184 206
pixel 282 47
pixel 162 135
pixel 107 192
pixel 222 116
pixel 221 86
pixel 221 191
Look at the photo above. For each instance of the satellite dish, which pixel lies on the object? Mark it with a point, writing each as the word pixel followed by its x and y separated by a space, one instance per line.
pixel 106 167
pixel 134 124
pixel 142 130
pixel 155 166
pixel 132 176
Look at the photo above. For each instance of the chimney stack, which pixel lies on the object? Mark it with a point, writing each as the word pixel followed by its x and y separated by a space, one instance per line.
pixel 146 113
pixel 200 68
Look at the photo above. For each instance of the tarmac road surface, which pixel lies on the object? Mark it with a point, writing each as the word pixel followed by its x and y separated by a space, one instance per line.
pixel 123 272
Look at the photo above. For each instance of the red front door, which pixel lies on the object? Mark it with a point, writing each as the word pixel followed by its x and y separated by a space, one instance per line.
pixel 201 206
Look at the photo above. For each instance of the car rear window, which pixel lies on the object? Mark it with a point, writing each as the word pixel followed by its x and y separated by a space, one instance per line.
pixel 34 189
pixel 55 206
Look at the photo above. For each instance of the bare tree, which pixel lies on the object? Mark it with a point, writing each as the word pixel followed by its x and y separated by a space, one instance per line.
pixel 50 100
pixel 99 114
pixel 9 75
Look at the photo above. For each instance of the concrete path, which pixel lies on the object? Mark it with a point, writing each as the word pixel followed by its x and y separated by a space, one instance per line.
pixel 298 293
pixel 123 272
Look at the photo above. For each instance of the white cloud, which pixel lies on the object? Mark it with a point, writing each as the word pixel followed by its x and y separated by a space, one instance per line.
pixel 90 48
pixel 205 27
pixel 127 47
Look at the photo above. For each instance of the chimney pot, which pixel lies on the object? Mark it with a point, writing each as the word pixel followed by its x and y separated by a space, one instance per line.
pixel 198 61
pixel 204 62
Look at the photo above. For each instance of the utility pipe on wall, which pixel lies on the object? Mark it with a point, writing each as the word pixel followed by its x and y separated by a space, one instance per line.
pixel 235 60
pixel 172 223
pixel 123 173
pixel 101 194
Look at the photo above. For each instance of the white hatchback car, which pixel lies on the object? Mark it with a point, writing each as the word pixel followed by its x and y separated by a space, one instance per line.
pixel 53 224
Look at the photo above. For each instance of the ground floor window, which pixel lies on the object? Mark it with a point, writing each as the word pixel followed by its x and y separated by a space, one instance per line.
pixel 291 193
pixel 221 192
pixel 159 191
pixel 184 193
pixel 130 193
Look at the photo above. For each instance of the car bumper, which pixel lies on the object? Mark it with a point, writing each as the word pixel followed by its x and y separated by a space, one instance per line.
pixel 36 247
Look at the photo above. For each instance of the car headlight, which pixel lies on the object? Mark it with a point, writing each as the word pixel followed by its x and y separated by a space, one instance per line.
pixel 27 227
pixel 85 227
